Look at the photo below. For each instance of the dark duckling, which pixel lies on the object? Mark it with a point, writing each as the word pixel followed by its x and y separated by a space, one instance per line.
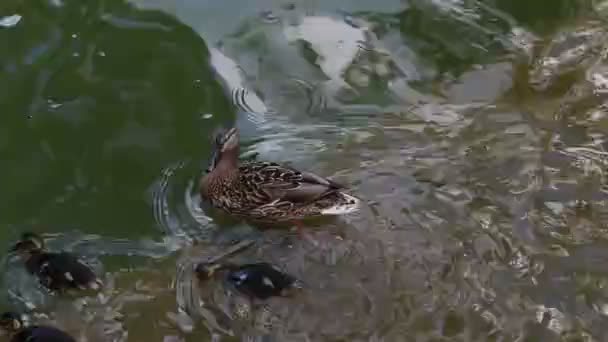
pixel 11 322
pixel 56 271
pixel 258 280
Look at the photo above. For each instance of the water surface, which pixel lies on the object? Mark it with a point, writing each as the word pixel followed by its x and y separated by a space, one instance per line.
pixel 473 131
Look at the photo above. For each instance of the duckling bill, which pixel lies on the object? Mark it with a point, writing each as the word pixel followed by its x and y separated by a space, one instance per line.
pixel 56 271
pixel 11 323
pixel 268 192
pixel 257 280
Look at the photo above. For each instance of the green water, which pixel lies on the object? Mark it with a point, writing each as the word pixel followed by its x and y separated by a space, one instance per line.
pixel 97 99
pixel 474 132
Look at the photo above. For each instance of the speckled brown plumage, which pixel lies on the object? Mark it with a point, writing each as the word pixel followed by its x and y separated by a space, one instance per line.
pixel 264 191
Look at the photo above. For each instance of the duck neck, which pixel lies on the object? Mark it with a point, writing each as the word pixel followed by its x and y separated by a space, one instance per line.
pixel 228 161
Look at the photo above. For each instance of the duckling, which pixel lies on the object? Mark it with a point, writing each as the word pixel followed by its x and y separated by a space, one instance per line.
pixel 56 271
pixel 268 192
pixel 257 280
pixel 11 323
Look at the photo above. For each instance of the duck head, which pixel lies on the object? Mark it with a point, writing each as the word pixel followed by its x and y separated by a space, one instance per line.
pixel 226 149
pixel 10 322
pixel 29 243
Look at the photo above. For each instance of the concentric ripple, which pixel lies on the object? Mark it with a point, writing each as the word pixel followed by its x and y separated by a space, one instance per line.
pixel 176 203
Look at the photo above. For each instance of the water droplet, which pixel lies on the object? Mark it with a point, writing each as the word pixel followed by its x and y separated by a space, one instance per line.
pixel 10 21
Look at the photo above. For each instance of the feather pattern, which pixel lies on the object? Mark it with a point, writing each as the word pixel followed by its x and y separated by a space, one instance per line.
pixel 59 271
pixel 265 191
pixel 56 271
pixel 269 191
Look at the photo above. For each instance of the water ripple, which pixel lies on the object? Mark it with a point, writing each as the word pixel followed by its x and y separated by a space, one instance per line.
pixel 176 204
pixel 476 140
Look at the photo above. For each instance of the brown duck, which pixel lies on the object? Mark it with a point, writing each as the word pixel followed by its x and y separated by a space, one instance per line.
pixel 268 192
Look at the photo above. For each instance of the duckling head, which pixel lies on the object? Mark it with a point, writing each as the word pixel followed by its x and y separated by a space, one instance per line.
pixel 10 322
pixel 29 243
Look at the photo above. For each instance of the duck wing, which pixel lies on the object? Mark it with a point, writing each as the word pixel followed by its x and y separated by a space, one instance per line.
pixel 270 182
pixel 81 274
